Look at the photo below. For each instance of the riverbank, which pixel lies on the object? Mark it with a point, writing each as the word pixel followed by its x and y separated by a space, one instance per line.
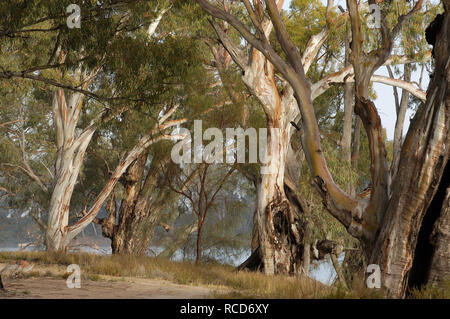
pixel 145 277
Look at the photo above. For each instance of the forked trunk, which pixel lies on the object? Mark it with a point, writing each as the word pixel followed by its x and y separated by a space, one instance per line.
pixel 69 158
pixel 70 154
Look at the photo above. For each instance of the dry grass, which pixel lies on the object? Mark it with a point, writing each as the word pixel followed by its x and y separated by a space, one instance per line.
pixel 432 292
pixel 222 279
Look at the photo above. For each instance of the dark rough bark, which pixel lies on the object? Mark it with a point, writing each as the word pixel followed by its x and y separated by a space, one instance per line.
pixel 439 272
pixel 287 240
pixel 128 234
pixel 138 213
pixel 287 237
pixel 432 256
pixel 253 262
pixel 423 159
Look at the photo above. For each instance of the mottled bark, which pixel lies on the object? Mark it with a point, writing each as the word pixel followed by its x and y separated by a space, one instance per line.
pixel 354 265
pixel 439 272
pixel 280 227
pixel 69 158
pixel 423 158
pixel 139 212
pixel 128 234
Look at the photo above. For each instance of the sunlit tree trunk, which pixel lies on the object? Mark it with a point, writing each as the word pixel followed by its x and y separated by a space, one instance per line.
pixel 59 233
pixel 278 224
pixel 280 228
pixel 367 215
pixel 70 156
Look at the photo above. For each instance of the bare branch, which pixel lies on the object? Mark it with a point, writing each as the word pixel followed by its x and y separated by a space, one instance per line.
pixel 35 215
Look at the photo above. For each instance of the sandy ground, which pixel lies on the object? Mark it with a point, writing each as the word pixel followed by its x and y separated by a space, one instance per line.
pixel 106 287
pixel 120 288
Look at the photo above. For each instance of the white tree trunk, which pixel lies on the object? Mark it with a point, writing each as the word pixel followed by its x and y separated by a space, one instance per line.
pixel 70 156
pixel 68 163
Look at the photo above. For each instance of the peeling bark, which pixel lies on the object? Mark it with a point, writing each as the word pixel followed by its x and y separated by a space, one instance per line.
pixel 278 225
pixel 423 158
pixel 141 210
pixel 70 156
pixel 128 231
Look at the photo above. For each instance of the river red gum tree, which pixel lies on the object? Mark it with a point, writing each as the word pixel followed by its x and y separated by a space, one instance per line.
pixel 71 152
pixel 71 147
pixel 386 219
pixel 281 109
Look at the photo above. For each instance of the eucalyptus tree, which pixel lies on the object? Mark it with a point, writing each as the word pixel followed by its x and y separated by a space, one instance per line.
pixel 281 108
pixel 93 62
pixel 387 218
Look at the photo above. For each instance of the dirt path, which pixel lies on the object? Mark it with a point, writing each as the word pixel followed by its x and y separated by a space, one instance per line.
pixel 120 288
